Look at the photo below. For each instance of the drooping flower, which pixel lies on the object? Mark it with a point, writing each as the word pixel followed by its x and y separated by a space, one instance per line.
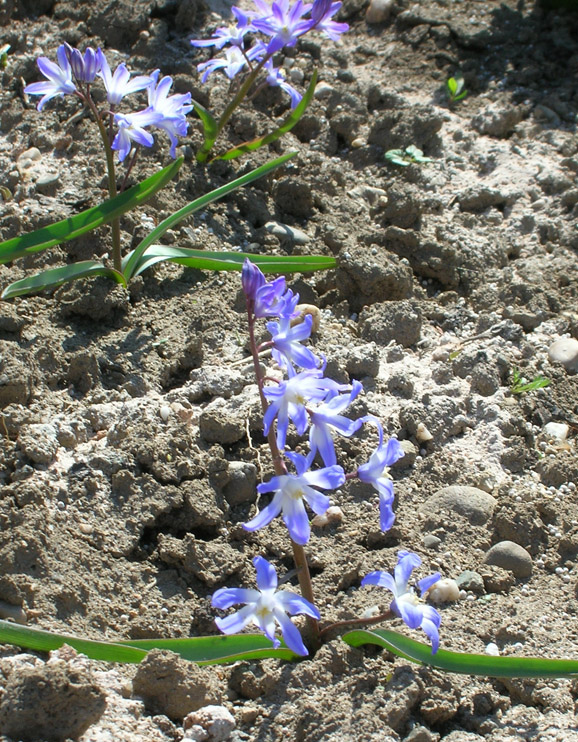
pixel 326 417
pixel 228 35
pixel 276 78
pixel 59 78
pixel 286 339
pixel 172 108
pixel 265 607
pixel 376 473
pixel 406 604
pixel 119 84
pixel 321 14
pixel 235 60
pixel 84 68
pixel 292 491
pixel 131 129
pixel 287 400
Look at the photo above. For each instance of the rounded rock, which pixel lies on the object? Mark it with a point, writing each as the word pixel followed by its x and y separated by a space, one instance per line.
pixel 564 351
pixel 472 503
pixel 510 556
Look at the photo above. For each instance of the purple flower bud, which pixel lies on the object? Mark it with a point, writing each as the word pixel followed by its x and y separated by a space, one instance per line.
pixel 252 279
pixel 84 68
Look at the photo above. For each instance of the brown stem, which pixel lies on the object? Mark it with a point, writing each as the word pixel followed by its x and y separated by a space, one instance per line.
pixel 387 616
pixel 299 556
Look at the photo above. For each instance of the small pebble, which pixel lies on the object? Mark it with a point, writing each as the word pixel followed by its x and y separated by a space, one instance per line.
pixel 492 649
pixel 564 351
pixel 444 591
pixel 511 556
pixel 378 11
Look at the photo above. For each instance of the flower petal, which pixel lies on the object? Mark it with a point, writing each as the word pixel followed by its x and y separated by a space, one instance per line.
pixel 225 597
pixel 236 621
pixel 265 516
pixel 291 635
pixel 382 579
pixel 266 574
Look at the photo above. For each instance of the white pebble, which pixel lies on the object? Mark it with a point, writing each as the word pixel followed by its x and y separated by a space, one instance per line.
pixel 165 412
pixel 492 649
pixel 444 591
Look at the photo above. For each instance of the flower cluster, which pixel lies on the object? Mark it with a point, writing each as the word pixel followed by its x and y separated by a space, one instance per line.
pixel 271 28
pixel 314 403
pixel 74 74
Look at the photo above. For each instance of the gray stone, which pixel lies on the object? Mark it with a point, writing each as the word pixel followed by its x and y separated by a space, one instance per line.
pixel 472 581
pixel 511 556
pixel 216 722
pixel 431 542
pixel 48 183
pixel 287 234
pixel 564 351
pixel 471 503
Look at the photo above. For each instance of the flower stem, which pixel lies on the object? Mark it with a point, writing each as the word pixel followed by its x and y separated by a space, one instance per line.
pixel 112 191
pixel 299 555
pixel 387 616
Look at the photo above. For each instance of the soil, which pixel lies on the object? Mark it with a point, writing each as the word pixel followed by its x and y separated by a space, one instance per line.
pixel 131 440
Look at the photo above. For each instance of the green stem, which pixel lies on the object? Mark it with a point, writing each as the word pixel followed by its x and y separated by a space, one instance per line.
pixel 203 153
pixel 115 224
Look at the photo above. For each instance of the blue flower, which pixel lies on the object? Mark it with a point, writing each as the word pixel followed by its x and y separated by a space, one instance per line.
pixel 321 14
pixel 84 68
pixel 276 78
pixel 223 36
pixel 375 472
pixel 406 603
pixel 59 78
pixel 119 84
pixel 172 108
pixel 287 348
pixel 292 492
pixel 327 416
pixel 267 298
pixel 282 23
pixel 131 129
pixel 287 401
pixel 235 60
pixel 265 608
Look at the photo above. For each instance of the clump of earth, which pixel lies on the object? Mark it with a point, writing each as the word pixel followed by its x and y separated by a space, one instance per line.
pixel 131 439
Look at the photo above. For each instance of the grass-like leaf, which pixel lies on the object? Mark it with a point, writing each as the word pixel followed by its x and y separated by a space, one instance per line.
pixel 232 261
pixel 56 276
pixel 74 226
pixel 462 662
pixel 132 261
pixel 286 126
pixel 210 125
pixel 205 650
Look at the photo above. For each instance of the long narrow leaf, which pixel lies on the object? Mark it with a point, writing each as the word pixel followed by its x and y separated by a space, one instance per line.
pixel 231 261
pixel 286 126
pixel 210 125
pixel 205 650
pixel 56 276
pixel 74 226
pixel 217 650
pixel 462 662
pixel 131 261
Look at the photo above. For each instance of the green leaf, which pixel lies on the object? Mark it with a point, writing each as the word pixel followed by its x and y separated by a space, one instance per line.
pixel 132 260
pixel 462 662
pixel 217 650
pixel 74 226
pixel 206 650
pixel 286 126
pixel 452 86
pixel 56 276
pixel 231 261
pixel 210 125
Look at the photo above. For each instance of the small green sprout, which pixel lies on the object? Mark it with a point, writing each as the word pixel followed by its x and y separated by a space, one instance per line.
pixel 455 87
pixel 4 49
pixel 521 385
pixel 408 156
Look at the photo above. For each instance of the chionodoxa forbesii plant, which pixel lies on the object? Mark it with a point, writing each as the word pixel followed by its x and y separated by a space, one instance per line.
pixel 297 393
pixel 125 129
